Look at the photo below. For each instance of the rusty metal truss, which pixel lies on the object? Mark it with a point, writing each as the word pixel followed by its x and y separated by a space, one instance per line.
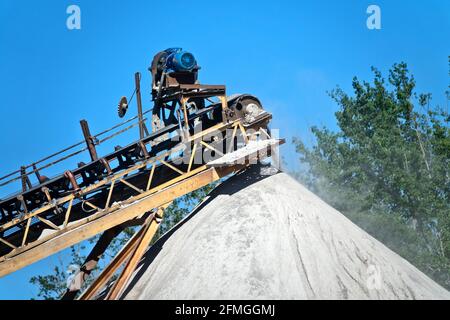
pixel 189 149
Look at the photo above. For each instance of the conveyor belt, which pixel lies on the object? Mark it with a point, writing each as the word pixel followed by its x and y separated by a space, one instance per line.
pixel 145 176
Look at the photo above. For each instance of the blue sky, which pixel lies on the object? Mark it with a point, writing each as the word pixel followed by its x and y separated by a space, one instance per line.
pixel 288 53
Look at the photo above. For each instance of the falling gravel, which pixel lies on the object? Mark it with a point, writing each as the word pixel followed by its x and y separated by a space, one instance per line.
pixel 262 236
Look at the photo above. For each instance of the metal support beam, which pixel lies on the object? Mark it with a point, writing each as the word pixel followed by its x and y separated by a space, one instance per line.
pixel 137 80
pixel 136 256
pixel 89 140
pixel 25 180
pixel 115 264
pixel 93 226
pixel 94 256
pixel 91 261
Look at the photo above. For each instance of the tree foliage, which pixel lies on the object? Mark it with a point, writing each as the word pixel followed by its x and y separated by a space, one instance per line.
pixel 387 167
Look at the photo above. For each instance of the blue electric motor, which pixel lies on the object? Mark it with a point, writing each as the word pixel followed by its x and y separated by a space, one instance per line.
pixel 170 67
pixel 178 60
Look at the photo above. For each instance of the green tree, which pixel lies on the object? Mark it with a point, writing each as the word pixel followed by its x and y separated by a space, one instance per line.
pixel 387 167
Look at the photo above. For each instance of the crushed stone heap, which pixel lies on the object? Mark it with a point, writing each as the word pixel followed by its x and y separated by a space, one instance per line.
pixel 268 237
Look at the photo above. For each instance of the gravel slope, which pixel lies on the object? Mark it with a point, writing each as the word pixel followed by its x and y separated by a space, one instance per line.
pixel 268 237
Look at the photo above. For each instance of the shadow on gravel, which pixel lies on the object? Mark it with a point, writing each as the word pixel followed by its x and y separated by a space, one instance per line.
pixel 232 185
